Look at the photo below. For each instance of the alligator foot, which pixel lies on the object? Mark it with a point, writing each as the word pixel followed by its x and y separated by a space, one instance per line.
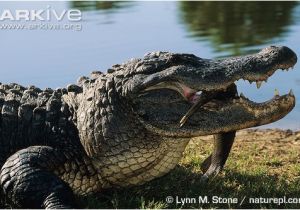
pixel 27 180
pixel 214 164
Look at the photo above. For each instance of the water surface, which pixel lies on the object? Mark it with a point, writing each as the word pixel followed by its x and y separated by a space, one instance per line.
pixel 113 32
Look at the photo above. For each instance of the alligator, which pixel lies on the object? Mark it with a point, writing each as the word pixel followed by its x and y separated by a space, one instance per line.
pixel 130 125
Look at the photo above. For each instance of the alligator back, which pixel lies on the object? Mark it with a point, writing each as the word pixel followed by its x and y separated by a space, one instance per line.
pixel 30 116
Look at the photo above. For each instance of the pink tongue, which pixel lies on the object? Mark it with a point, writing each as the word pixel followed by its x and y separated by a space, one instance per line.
pixel 191 95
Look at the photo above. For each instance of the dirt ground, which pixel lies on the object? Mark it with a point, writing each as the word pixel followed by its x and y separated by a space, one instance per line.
pixel 266 138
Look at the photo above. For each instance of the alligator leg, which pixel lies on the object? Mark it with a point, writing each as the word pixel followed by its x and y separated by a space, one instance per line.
pixel 28 181
pixel 212 165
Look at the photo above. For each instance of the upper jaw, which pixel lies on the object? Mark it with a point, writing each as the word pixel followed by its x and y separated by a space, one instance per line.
pixel 274 58
pixel 253 68
pixel 214 75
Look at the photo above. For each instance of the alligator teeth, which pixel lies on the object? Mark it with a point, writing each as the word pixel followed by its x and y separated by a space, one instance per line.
pixel 258 84
pixel 276 92
pixel 291 93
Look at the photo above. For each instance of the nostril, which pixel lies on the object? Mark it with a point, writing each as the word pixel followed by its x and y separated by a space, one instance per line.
pixel 287 53
pixel 283 53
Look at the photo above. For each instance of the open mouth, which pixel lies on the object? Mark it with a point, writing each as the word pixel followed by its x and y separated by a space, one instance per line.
pixel 224 95
pixel 182 95
pixel 211 100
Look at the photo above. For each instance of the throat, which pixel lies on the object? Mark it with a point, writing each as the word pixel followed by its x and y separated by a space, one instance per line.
pixel 144 164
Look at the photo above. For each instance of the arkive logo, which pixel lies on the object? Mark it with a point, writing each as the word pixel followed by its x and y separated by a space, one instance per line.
pixel 48 14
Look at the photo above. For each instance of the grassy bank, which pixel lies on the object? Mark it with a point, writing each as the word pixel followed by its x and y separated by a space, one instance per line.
pixel 262 164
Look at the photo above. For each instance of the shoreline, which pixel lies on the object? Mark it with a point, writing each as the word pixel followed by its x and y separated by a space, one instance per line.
pixel 269 134
pixel 263 134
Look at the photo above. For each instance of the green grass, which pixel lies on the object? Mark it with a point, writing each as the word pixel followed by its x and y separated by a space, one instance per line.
pixel 254 169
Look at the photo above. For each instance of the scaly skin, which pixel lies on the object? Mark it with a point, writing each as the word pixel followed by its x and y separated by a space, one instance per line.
pixel 122 128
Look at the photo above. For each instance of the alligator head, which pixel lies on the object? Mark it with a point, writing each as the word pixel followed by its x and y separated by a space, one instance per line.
pixel 163 87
